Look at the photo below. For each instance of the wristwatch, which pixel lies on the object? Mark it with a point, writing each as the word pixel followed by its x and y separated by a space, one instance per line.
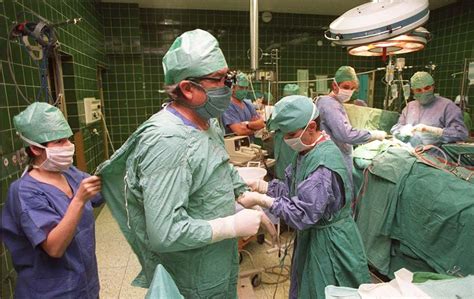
pixel 247 125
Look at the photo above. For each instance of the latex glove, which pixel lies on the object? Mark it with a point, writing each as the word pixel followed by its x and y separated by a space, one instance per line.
pixel 267 225
pixel 377 135
pixel 428 129
pixel 406 130
pixel 258 185
pixel 249 199
pixel 242 224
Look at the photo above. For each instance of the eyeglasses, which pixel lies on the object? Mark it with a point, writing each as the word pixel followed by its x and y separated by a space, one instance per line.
pixel 229 79
pixel 418 90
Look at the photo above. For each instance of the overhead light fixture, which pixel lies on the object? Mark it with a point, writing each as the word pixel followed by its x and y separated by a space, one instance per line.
pixel 382 27
pixel 402 44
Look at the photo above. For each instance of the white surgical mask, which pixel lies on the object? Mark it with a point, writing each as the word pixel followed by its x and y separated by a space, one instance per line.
pixel 58 158
pixel 296 144
pixel 344 95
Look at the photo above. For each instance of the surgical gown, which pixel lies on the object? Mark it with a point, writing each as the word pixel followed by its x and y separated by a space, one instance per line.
pixel 162 186
pixel 315 199
pixel 441 113
pixel 235 114
pixel 31 211
pixel 335 122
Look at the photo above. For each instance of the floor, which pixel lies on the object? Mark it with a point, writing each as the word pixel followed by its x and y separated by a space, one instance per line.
pixel 118 266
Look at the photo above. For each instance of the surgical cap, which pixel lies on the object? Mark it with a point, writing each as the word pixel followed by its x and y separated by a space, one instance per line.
pixel 291 89
pixel 242 80
pixel 42 122
pixel 421 79
pixel 346 73
pixel 193 54
pixel 292 113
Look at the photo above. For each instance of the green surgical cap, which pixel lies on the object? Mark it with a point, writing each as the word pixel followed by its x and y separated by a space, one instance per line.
pixel 346 73
pixel 42 122
pixel 291 89
pixel 421 79
pixel 292 113
pixel 193 54
pixel 242 80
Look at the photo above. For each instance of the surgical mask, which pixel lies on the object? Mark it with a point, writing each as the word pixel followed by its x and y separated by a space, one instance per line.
pixel 297 145
pixel 424 97
pixel 58 158
pixel 344 95
pixel 241 94
pixel 217 102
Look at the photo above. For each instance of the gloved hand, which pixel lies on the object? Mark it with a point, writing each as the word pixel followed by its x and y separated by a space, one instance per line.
pixel 406 131
pixel 428 129
pixel 249 199
pixel 242 224
pixel 258 185
pixel 267 225
pixel 377 135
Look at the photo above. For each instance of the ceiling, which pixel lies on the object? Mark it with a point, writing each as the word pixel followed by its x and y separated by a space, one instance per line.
pixel 317 7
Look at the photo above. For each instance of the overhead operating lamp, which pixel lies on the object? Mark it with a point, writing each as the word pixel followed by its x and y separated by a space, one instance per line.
pixel 382 28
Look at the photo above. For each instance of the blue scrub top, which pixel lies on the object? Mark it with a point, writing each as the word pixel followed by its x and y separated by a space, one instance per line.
pixel 31 211
pixel 234 114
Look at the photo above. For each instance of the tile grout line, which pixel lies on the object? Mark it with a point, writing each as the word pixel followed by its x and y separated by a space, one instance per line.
pixel 125 272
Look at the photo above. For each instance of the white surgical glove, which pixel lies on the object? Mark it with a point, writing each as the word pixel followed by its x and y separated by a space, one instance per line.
pixel 406 130
pixel 242 224
pixel 377 135
pixel 249 199
pixel 258 185
pixel 267 225
pixel 428 129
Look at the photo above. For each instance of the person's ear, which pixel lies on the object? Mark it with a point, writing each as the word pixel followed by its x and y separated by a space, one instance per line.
pixel 186 89
pixel 35 150
pixel 334 86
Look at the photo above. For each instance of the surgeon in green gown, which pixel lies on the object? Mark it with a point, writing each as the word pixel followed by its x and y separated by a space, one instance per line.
pixel 315 199
pixel 171 187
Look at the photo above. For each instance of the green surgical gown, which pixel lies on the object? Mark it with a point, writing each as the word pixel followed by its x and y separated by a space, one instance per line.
pixel 330 252
pixel 162 187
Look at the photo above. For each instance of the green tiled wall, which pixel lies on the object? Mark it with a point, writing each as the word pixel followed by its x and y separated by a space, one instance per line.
pixel 82 46
pixel 295 35
pixel 453 30
pixel 124 87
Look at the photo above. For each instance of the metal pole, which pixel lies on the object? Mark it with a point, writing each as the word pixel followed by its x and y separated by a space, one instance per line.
pixel 464 74
pixel 254 35
pixel 277 74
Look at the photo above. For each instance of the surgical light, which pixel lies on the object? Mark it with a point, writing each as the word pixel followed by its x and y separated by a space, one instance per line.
pixel 402 44
pixel 381 28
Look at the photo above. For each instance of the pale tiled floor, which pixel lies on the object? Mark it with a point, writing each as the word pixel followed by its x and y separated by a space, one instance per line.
pixel 118 266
